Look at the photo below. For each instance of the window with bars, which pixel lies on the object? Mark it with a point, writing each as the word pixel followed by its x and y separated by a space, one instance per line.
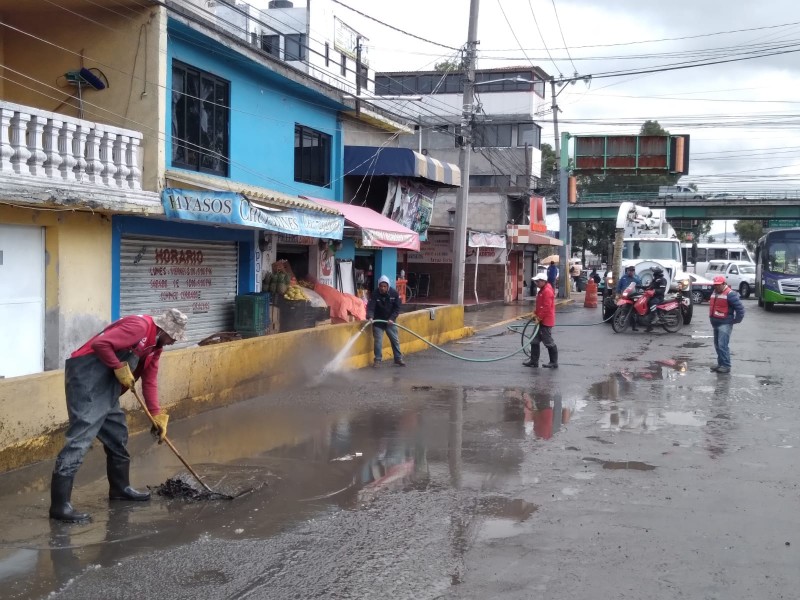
pixel 312 156
pixel 200 120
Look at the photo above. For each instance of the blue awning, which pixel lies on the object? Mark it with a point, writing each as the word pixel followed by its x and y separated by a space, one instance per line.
pixel 399 162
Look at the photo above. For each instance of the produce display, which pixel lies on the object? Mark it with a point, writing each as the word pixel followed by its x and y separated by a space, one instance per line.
pixel 295 292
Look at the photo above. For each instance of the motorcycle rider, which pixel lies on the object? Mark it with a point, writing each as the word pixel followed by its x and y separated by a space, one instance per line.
pixel 659 286
pixel 628 278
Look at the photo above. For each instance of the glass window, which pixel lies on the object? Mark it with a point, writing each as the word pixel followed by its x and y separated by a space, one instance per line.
pixel 312 156
pixel 734 270
pixel 492 136
pixel 294 47
pixel 382 86
pixel 529 133
pixel 200 120
pixel 271 44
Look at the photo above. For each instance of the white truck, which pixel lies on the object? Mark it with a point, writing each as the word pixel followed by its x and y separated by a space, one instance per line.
pixel 679 191
pixel 646 240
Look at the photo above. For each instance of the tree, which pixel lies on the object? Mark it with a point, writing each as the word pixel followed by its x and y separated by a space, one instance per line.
pixel 749 232
pixel 447 66
pixel 549 165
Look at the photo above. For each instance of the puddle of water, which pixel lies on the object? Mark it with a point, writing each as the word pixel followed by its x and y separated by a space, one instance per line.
pixel 583 476
pixel 690 419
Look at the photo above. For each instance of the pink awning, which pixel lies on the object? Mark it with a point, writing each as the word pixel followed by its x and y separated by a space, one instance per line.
pixel 377 231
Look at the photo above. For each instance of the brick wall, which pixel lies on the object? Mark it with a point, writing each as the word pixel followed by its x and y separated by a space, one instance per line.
pixel 491 280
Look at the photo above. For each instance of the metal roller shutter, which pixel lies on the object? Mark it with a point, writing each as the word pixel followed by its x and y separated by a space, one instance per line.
pixel 197 277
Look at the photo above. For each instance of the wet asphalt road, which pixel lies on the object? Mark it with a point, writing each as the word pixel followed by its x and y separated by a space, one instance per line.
pixel 630 472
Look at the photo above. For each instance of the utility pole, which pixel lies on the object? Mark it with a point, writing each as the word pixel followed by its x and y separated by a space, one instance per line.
pixel 462 197
pixel 563 228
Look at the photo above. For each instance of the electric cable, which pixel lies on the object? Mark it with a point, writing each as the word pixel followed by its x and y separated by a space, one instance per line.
pixel 561 31
pixel 541 36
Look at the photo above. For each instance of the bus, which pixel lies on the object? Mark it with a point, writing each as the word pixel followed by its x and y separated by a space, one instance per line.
pixel 697 256
pixel 778 268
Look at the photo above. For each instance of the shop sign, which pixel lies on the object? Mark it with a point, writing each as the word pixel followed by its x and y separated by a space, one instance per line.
pixel 297 240
pixel 231 208
pixel 437 250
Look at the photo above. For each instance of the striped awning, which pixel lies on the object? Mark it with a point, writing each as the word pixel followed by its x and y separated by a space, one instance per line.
pixel 399 162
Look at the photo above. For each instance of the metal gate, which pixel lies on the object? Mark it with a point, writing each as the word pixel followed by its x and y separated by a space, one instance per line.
pixel 197 277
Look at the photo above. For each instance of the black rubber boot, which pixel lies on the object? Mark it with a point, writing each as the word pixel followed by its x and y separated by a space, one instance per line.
pixel 119 487
pixel 60 495
pixel 553 353
pixel 533 361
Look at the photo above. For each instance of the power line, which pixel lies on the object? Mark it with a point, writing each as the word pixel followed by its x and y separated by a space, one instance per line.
pixel 533 14
pixel 561 31
pixel 404 32
pixel 673 39
pixel 516 39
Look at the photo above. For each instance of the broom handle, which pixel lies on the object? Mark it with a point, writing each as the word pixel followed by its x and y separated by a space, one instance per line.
pixel 169 443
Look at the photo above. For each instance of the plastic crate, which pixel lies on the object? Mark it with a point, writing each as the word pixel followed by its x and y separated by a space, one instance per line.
pixel 252 313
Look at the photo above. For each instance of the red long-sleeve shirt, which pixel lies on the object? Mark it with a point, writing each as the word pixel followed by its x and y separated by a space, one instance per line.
pixel 137 333
pixel 546 306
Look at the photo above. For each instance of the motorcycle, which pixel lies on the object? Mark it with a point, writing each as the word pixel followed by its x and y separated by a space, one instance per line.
pixel 633 304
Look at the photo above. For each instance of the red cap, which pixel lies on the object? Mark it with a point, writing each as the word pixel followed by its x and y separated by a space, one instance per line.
pixel 718 279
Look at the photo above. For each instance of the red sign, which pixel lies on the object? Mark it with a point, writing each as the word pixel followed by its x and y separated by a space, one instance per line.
pixel 538 213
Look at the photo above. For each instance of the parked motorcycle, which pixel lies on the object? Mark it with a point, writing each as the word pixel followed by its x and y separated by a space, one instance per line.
pixel 633 304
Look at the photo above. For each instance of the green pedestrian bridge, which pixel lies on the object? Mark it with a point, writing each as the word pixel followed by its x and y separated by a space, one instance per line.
pixel 782 207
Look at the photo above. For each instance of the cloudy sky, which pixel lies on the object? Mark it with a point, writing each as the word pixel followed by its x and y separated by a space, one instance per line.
pixel 743 116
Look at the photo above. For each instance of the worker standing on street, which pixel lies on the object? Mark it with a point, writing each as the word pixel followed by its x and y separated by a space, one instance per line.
pixel 545 316
pixel 95 376
pixel 725 309
pixel 385 306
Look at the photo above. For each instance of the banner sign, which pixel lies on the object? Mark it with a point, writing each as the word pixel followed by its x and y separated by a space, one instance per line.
pixel 410 203
pixel 232 208
pixel 479 239
pixel 437 250
pixel 375 238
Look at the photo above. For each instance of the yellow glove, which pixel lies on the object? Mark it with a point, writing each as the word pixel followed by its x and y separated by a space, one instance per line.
pixel 160 427
pixel 124 375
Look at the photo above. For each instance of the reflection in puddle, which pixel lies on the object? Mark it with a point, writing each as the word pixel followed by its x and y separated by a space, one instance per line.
pixel 684 418
pixel 633 465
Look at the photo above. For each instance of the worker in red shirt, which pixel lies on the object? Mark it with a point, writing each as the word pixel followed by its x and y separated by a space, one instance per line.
pixel 95 376
pixel 545 315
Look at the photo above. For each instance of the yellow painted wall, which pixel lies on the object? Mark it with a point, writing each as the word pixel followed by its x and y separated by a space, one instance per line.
pixel 112 47
pixel 33 411
pixel 77 275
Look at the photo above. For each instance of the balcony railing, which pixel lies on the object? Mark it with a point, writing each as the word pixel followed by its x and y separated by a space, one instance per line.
pixel 43 144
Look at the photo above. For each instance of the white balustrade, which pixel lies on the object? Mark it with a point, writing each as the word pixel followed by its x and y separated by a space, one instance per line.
pixel 43 144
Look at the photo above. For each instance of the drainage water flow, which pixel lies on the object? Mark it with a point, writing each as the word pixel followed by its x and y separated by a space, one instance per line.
pixel 336 363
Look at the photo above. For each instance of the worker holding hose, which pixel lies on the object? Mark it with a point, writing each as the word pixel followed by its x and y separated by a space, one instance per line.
pixel 545 316
pixel 95 376
pixel 385 306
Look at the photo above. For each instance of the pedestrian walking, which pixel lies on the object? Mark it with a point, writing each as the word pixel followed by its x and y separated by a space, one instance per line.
pixel 95 376
pixel 552 274
pixel 545 315
pixel 385 306
pixel 725 310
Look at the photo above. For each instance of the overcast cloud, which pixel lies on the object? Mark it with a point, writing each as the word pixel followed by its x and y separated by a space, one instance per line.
pixel 743 116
